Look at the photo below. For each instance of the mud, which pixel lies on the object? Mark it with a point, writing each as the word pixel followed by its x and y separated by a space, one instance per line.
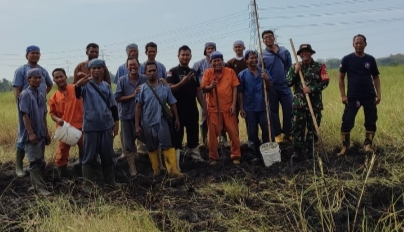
pixel 193 207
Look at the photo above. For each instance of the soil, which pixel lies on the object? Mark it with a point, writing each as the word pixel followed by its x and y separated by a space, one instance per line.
pixel 194 208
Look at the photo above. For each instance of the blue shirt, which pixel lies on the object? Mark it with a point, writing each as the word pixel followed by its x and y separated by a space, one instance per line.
pixel 20 78
pixel 122 70
pixel 161 69
pixel 253 90
pixel 152 111
pixel 97 115
pixel 277 65
pixel 35 106
pixel 127 87
pixel 360 72
pixel 200 67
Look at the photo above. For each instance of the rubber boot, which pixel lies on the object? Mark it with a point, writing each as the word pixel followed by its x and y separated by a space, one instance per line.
pixel 90 175
pixel 345 138
pixel 62 172
pixel 178 157
pixel 368 141
pixel 109 175
pixel 38 183
pixel 131 162
pixel 279 138
pixel 77 164
pixel 297 156
pixel 155 162
pixel 195 154
pixel 19 167
pixel 287 138
pixel 170 160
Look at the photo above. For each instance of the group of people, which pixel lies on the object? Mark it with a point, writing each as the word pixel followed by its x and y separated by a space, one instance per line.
pixel 152 107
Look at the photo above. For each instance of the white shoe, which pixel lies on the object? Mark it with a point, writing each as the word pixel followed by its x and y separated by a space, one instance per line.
pixel 178 155
pixel 196 154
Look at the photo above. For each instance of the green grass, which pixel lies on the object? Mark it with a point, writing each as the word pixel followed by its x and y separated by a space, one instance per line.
pixel 283 200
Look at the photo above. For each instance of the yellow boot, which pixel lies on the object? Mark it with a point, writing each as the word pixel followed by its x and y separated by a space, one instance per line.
pixel 171 163
pixel 155 162
pixel 279 138
pixel 345 138
pixel 368 141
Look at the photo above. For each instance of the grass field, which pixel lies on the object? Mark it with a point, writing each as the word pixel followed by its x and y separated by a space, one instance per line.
pixel 352 193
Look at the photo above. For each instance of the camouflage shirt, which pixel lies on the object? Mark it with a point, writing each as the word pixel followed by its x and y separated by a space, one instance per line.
pixel 316 78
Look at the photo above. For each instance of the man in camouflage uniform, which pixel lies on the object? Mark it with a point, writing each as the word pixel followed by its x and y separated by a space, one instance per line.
pixel 316 80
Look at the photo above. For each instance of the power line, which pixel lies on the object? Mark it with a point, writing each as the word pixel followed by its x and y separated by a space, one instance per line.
pixel 316 5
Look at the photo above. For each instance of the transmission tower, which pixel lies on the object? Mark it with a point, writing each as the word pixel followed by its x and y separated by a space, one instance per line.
pixel 253 26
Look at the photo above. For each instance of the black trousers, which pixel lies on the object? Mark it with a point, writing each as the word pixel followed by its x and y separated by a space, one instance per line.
pixel 351 109
pixel 190 121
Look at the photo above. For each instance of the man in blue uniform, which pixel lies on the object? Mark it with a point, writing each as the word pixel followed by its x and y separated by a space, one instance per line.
pixel 100 124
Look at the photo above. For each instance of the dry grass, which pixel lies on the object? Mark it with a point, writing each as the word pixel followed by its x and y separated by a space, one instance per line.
pixel 319 199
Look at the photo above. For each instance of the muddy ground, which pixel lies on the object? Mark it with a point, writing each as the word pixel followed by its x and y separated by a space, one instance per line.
pixel 192 207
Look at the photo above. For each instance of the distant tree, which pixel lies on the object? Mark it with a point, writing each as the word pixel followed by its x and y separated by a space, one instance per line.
pixel 5 85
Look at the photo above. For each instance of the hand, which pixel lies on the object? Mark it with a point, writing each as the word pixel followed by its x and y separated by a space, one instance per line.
pixel 264 76
pixel 32 138
pixel 297 68
pixel 137 90
pixel 61 122
pixel 115 131
pixel 81 74
pixel 84 80
pixel 188 77
pixel 177 124
pixel 306 90
pixel 138 131
pixel 242 113
pixel 344 100
pixel 233 110
pixel 378 99
pixel 47 139
pixel 213 85
pixel 163 81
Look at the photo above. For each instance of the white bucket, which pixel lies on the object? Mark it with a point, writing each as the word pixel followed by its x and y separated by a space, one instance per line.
pixel 270 153
pixel 67 134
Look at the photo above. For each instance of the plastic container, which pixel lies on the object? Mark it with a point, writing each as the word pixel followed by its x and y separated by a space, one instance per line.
pixel 67 134
pixel 270 153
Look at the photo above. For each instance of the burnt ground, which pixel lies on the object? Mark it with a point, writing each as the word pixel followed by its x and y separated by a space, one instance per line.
pixel 194 208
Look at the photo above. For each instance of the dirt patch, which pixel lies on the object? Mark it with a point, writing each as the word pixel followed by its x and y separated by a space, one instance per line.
pixel 197 201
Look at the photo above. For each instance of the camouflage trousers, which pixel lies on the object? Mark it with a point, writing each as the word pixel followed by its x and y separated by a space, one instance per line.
pixel 303 130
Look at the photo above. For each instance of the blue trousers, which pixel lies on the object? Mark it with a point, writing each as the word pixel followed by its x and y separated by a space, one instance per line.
pixel 255 118
pixel 282 95
pixel 98 143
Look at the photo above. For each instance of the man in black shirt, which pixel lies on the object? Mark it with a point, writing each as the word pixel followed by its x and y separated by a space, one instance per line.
pixel 185 86
pixel 363 90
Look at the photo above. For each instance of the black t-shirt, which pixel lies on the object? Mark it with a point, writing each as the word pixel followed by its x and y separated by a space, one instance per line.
pixel 186 96
pixel 360 72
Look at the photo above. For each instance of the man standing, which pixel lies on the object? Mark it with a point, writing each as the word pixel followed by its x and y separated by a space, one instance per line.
pixel 200 67
pixel 277 61
pixel 125 94
pixel 132 51
pixel 35 134
pixel 65 107
pixel 237 63
pixel 220 85
pixel 153 125
pixel 186 89
pixel 92 52
pixel 151 53
pixel 316 80
pixel 20 83
pixel 100 124
pixel 252 100
pixel 363 90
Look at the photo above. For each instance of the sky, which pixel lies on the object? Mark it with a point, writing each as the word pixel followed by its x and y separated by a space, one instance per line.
pixel 62 29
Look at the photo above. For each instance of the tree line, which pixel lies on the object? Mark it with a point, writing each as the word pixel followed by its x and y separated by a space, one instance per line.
pixel 392 60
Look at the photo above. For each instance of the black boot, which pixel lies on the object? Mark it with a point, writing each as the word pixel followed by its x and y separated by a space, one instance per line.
pixel 345 138
pixel 62 172
pixel 369 141
pixel 90 176
pixel 297 156
pixel 109 175
pixel 38 183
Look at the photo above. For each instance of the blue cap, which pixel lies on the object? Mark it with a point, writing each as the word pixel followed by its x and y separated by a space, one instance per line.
pixel 216 55
pixel 34 72
pixel 32 48
pixel 238 42
pixel 132 45
pixel 95 63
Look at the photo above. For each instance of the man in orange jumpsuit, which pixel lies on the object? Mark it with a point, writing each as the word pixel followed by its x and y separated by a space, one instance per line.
pixel 65 107
pixel 220 85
